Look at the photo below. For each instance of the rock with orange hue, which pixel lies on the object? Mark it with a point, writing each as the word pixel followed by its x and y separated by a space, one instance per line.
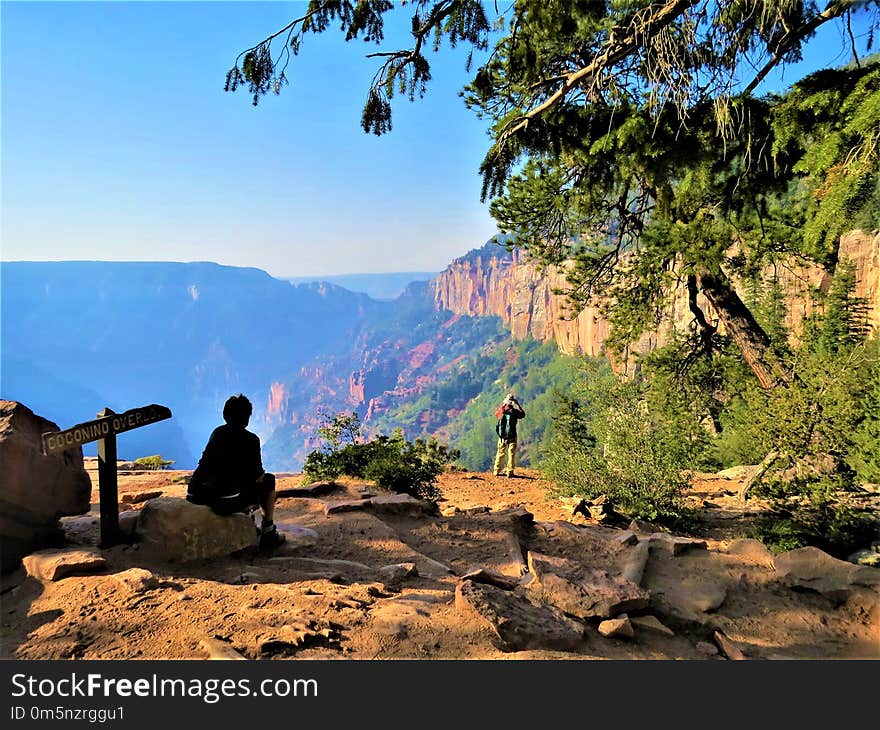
pixel 492 281
pixel 621 627
pixel 52 565
pixel 277 406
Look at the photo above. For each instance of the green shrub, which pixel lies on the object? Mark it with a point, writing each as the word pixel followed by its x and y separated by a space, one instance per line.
pixel 391 462
pixel 153 463
pixel 610 444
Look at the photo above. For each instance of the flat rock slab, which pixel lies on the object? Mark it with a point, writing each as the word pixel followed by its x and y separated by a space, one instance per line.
pixel 744 471
pixel 178 531
pixel 296 537
pixel 651 623
pixel 389 504
pixel 704 647
pixel 617 627
pixel 52 565
pixel 627 537
pixel 515 622
pixel 476 510
pixel 581 591
pixel 136 580
pixel 812 569
pixel 399 504
pixel 128 522
pixel 644 528
pixel 352 505
pixel 429 567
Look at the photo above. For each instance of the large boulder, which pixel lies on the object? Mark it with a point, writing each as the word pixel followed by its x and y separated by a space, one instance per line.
pixel 812 569
pixel 515 622
pixel 177 531
pixel 581 591
pixel 35 490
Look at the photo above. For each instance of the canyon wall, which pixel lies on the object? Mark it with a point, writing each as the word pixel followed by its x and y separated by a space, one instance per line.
pixel 495 282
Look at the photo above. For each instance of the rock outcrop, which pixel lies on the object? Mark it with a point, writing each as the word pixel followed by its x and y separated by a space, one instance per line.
pixel 492 281
pixel 35 490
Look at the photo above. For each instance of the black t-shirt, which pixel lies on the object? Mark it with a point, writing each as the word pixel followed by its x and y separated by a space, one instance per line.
pixel 230 462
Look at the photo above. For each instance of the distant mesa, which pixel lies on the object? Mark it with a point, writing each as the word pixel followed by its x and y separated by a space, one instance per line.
pixel 383 287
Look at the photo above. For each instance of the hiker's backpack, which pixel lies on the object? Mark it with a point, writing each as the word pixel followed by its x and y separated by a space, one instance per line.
pixel 504 427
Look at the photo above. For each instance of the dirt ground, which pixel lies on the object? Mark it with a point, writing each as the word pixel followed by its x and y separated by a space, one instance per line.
pixel 331 600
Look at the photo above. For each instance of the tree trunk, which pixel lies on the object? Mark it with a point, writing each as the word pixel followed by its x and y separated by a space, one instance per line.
pixel 763 468
pixel 743 329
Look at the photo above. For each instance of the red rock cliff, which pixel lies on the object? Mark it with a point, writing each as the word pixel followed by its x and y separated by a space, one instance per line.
pixel 513 288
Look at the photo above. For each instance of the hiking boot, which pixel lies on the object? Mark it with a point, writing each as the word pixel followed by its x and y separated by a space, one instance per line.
pixel 271 539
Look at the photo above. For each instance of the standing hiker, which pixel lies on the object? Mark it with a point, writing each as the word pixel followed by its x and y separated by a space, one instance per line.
pixel 230 476
pixel 508 413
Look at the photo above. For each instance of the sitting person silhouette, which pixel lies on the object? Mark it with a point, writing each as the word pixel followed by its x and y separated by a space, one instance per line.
pixel 230 476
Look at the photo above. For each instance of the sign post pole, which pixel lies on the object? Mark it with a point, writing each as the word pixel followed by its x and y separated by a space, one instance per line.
pixel 108 488
pixel 104 431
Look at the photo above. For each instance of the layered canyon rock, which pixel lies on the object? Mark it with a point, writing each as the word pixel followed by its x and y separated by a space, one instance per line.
pixel 35 490
pixel 493 282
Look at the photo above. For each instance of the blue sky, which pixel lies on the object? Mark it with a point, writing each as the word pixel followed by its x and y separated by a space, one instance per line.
pixel 119 143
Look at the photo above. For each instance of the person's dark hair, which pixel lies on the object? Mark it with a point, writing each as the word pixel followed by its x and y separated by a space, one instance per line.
pixel 237 411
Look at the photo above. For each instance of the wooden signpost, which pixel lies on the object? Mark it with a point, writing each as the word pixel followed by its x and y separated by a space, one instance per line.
pixel 104 430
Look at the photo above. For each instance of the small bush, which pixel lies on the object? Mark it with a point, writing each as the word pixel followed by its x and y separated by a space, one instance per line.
pixel 613 446
pixel 152 463
pixel 391 462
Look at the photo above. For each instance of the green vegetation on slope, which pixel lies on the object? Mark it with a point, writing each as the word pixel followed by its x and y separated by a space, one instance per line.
pixel 460 406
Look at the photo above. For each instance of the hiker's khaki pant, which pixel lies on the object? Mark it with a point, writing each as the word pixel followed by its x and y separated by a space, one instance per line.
pixel 508 448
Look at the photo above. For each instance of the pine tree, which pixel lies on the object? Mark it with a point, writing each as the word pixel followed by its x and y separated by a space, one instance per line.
pixel 843 324
pixel 625 143
pixel 866 451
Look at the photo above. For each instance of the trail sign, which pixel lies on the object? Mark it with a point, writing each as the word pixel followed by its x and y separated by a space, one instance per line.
pixel 55 442
pixel 104 430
